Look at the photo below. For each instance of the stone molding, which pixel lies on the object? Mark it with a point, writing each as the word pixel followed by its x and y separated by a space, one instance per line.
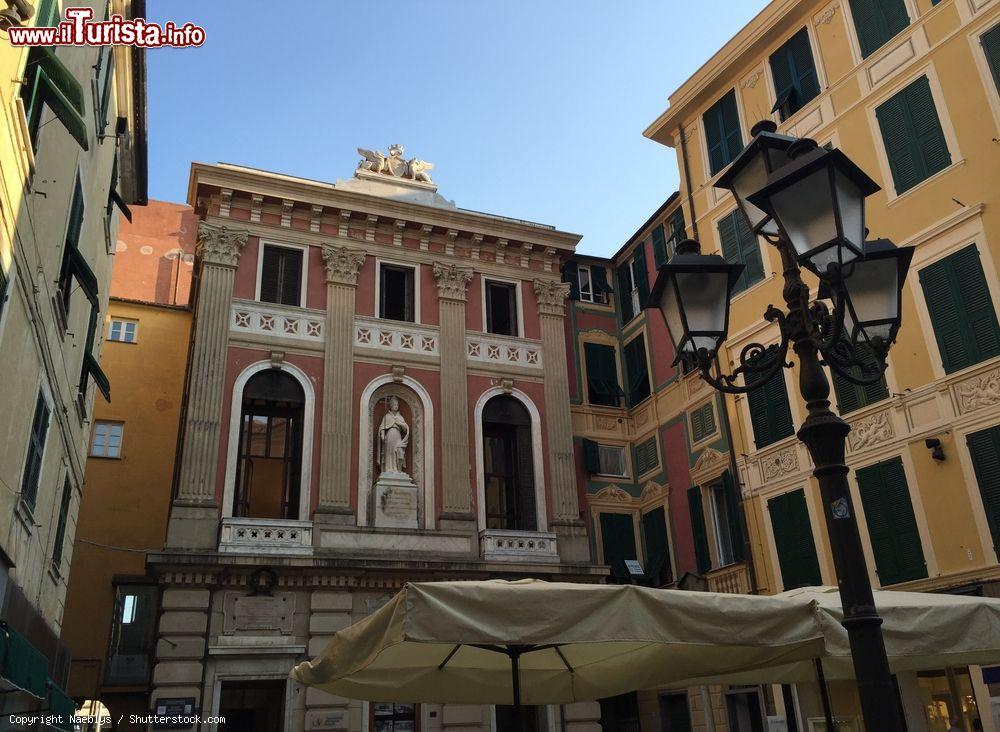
pixel 452 280
pixel 220 245
pixel 551 297
pixel 342 264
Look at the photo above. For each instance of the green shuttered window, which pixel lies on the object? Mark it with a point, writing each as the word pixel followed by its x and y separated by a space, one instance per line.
pixel 991 47
pixel 851 396
pixel 722 132
pixel 618 538
pixel 654 530
pixel 877 21
pixel 961 309
pixel 794 74
pixel 770 413
pixel 892 528
pixel 645 456
pixel 793 540
pixel 702 422
pixel 740 246
pixel 602 375
pixel 36 450
pixel 698 530
pixel 636 370
pixel 911 131
pixel 659 246
pixel 984 447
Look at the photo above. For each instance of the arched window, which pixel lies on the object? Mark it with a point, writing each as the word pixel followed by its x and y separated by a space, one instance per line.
pixel 270 448
pixel 508 465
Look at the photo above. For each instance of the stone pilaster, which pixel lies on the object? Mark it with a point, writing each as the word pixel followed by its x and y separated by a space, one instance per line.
pixel 452 282
pixel 329 612
pixel 194 517
pixel 565 513
pixel 180 648
pixel 342 266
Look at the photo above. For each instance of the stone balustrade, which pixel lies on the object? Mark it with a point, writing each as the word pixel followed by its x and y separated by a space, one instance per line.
pixel 265 536
pixel 517 546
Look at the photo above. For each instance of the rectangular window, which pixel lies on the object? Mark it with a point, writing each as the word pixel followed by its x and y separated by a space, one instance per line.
pixel 71 248
pixel 587 282
pixel 892 528
pixel 60 537
pixel 911 132
pixel 702 422
pixel 991 47
pixel 674 713
pixel 106 440
pixel 677 231
pixel 501 308
pixel 876 22
pixel 586 285
pixel 602 375
pixel 396 293
pixel 722 132
pixel 646 458
pixel 637 371
pixel 851 396
pixel 793 540
pixel 740 246
pixel 626 292
pixel 770 413
pixel 618 540
pixel 132 634
pixel 36 450
pixel 611 459
pixel 794 72
pixel 725 504
pixel 654 530
pixel 984 447
pixel 281 275
pixel 659 246
pixel 122 330
pixel 633 284
pixel 698 530
pixel 961 309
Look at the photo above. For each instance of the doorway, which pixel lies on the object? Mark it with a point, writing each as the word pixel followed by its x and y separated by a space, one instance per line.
pixel 252 706
pixel 508 466
pixel 674 713
pixel 745 710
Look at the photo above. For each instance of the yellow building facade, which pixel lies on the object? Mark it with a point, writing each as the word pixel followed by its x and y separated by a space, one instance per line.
pixel 910 90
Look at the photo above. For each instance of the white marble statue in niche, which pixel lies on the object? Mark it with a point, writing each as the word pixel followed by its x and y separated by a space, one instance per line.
pixel 393 439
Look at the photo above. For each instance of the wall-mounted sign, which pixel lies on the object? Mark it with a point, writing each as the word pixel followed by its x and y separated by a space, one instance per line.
pixel 175 713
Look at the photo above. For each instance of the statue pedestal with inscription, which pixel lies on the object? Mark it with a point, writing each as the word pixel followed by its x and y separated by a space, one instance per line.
pixel 396 501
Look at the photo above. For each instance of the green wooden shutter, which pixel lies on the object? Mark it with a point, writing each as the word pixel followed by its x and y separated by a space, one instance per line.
pixel 911 131
pixel 722 132
pixel 877 21
pixel 645 456
pixel 702 422
pixel 618 538
pixel 961 309
pixel 659 246
pixel 892 527
pixel 636 370
pixel 984 447
pixel 770 413
pixel 793 540
pixel 570 274
pixel 654 530
pixel 794 73
pixel 698 530
pixel 641 275
pixel 740 246
pixel 599 280
pixel 991 47
pixel 625 293
pixel 734 514
pixel 591 457
pixel 602 374
pixel 851 396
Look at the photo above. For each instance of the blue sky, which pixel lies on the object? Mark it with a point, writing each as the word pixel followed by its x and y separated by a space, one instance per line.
pixel 528 109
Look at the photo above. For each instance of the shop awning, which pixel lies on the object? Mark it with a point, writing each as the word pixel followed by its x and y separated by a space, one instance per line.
pixel 62 707
pixel 22 666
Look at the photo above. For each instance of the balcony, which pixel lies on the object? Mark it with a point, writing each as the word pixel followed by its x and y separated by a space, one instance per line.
pixel 500 545
pixel 265 536
pixel 732 580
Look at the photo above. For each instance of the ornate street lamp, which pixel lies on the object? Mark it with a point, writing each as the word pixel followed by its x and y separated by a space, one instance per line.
pixel 810 206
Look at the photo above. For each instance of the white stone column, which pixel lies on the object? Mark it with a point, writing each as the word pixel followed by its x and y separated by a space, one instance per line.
pixel 180 648
pixel 342 266
pixel 194 516
pixel 565 513
pixel 456 509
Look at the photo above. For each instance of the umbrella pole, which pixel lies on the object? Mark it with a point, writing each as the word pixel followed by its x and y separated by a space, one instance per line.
pixel 515 671
pixel 824 695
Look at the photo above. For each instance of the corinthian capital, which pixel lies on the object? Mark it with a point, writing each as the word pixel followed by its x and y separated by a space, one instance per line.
pixel 551 296
pixel 342 264
pixel 219 245
pixel 452 280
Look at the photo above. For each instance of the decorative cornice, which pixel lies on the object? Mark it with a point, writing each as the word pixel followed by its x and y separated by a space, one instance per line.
pixel 551 297
pixel 452 280
pixel 710 464
pixel 751 81
pixel 612 494
pixel 342 264
pixel 219 245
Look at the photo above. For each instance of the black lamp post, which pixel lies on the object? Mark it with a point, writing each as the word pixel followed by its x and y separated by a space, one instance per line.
pixel 809 203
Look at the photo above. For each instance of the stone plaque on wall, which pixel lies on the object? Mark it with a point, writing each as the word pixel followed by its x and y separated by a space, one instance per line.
pixel 258 613
pixel 332 719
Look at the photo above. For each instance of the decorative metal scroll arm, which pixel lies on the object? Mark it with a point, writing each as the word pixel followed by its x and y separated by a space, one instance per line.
pixel 757 362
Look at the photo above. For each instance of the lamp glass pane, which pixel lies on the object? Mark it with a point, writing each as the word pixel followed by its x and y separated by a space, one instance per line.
pixel 850 201
pixel 750 180
pixel 671 309
pixel 874 291
pixel 805 211
pixel 706 299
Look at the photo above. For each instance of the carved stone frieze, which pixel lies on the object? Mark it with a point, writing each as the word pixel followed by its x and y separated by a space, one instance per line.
pixel 342 264
pixel 220 245
pixel 452 280
pixel 785 462
pixel 710 464
pixel 614 494
pixel 871 430
pixel 826 16
pixel 551 296
pixel 978 392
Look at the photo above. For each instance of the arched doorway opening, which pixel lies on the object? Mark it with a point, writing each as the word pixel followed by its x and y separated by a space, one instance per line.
pixel 508 465
pixel 269 458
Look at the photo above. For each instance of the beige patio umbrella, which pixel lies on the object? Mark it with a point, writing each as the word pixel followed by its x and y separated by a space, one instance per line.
pixel 533 642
